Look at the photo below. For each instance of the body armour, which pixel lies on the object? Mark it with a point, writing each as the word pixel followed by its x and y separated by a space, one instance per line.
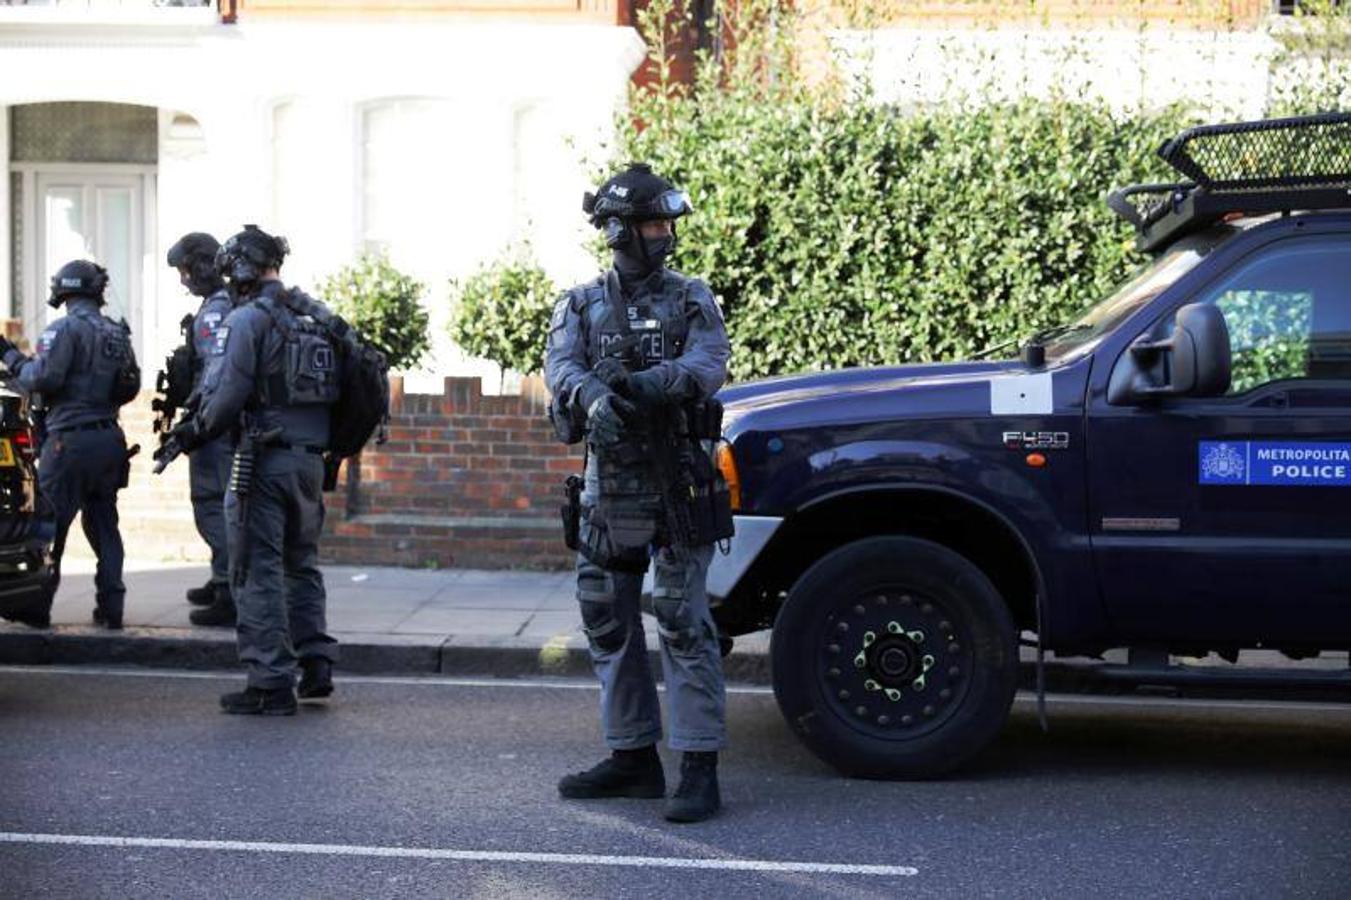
pixel 277 366
pixel 679 331
pixel 84 367
pixel 204 325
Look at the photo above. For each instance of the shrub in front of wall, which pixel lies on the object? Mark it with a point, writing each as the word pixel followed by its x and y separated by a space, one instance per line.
pixel 384 305
pixel 501 312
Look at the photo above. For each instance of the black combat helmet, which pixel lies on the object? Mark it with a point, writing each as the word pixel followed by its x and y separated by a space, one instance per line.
pixel 636 194
pixel 245 256
pixel 78 278
pixel 196 252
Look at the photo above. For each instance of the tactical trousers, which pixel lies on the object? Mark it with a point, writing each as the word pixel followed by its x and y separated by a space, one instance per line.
pixel 690 658
pixel 208 477
pixel 278 588
pixel 81 472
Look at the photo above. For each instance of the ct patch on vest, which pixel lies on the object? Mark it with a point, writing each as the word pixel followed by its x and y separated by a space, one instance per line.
pixel 1289 463
pixel 116 348
pixel 321 358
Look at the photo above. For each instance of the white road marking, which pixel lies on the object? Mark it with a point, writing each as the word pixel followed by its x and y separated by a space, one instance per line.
pixel 490 856
pixel 575 684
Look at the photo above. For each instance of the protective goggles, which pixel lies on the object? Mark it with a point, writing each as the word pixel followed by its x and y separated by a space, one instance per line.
pixel 673 204
pixel 666 205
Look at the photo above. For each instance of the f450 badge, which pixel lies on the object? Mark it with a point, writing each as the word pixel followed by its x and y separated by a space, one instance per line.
pixel 1037 440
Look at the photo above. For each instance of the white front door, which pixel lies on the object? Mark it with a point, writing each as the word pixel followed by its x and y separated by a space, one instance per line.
pixel 88 214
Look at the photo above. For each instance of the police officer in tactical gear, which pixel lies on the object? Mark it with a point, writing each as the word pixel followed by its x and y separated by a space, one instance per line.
pixel 85 370
pixel 273 380
pixel 194 256
pixel 631 356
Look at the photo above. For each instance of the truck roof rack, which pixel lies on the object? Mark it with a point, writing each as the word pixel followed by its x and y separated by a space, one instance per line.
pixel 1253 168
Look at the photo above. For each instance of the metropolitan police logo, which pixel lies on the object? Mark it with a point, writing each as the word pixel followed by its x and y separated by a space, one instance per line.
pixel 1222 463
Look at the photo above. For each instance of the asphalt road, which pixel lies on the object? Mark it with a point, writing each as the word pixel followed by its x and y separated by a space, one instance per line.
pixel 446 788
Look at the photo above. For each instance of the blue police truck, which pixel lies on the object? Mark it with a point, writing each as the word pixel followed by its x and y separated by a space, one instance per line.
pixel 1169 473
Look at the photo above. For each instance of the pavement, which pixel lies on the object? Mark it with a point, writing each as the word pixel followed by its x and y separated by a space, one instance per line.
pixel 386 619
pixel 129 783
pixel 498 623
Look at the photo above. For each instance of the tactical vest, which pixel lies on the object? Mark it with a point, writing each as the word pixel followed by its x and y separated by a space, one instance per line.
pixel 660 320
pixel 108 372
pixel 308 372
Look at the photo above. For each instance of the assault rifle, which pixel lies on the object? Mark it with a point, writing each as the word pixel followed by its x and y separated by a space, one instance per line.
pixel 251 439
pixel 173 384
pixel 668 456
pixel 169 447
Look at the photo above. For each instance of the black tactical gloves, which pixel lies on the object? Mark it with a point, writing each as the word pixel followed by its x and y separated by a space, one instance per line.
pixel 11 356
pixel 609 417
pixel 647 388
pixel 188 434
pixel 612 372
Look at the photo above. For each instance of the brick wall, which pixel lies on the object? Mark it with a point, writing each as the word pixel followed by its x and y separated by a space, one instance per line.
pixel 464 480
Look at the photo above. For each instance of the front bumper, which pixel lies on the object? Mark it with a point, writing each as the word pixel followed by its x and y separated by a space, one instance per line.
pixel 753 534
pixel 24 574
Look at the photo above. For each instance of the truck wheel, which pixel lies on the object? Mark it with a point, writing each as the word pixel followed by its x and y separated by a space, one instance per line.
pixel 894 657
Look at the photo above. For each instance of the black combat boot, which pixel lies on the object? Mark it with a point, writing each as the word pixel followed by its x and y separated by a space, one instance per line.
pixel 697 797
pixel 627 773
pixel 254 701
pixel 202 596
pixel 316 679
pixel 110 621
pixel 220 612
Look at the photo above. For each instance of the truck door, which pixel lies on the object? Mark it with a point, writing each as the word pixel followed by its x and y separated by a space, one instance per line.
pixel 1229 518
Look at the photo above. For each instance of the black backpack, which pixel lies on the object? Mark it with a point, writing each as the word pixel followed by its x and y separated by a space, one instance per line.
pixel 363 380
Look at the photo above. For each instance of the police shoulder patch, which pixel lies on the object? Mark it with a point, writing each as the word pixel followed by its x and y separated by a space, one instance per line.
pixel 222 337
pixel 46 339
pixel 560 315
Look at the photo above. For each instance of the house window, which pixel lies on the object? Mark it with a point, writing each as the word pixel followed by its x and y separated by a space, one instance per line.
pixel 84 133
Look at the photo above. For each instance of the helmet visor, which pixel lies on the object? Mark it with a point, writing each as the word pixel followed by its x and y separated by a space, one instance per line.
pixel 673 204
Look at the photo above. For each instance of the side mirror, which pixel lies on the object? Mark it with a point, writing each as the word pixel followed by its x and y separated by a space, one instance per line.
pixel 1194 361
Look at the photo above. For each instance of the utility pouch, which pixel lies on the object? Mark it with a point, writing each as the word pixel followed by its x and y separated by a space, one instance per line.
pixel 710 504
pixel 704 419
pixel 567 422
pixel 331 465
pixel 572 512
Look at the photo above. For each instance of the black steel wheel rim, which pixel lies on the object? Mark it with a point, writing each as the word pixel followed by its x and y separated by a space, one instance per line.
pixel 894 663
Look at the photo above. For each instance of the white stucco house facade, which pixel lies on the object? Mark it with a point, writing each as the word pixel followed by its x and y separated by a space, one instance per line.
pixel 441 140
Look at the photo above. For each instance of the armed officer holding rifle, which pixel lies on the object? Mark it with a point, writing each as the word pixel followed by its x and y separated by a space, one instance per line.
pixel 273 380
pixel 194 256
pixel 633 360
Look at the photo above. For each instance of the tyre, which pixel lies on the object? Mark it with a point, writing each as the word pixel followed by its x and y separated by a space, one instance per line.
pixel 894 657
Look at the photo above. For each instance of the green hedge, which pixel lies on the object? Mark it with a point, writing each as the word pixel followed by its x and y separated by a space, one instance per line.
pixel 501 312
pixel 857 235
pixel 383 304
pixel 839 232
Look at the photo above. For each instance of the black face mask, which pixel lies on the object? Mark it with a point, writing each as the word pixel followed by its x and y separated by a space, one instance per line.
pixel 640 256
pixel 657 249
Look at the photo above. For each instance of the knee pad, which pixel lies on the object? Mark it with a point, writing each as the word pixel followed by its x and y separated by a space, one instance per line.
pixel 596 596
pixel 676 625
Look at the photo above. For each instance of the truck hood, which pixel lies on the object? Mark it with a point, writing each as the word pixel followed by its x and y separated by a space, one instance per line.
pixel 845 394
